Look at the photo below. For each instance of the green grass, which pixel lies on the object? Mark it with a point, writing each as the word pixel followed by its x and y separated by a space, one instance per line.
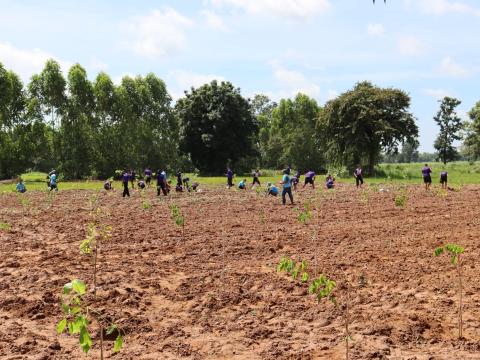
pixel 459 173
pixel 4 226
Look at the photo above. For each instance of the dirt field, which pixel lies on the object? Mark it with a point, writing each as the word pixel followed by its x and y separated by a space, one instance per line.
pixel 215 294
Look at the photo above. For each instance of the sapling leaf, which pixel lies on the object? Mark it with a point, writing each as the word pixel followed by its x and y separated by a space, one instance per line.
pixel 61 326
pixel 65 309
pixel 295 272
pixel 111 329
pixel 118 343
pixel 67 288
pixel 304 277
pixel 85 339
pixel 439 251
pixel 79 286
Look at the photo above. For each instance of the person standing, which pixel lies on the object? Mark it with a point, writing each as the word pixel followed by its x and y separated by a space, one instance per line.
pixel 161 182
pixel 229 175
pixel 133 177
pixel 256 175
pixel 427 178
pixel 358 175
pixel 125 179
pixel 53 180
pixel 287 187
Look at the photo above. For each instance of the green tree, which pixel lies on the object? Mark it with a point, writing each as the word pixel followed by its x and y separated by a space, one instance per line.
pixel 472 139
pixel 217 127
pixel 75 146
pixel 450 125
pixel 262 108
pixel 292 137
pixel 52 91
pixel 361 123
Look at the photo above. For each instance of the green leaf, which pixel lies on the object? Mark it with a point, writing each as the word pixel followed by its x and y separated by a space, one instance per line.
pixel 75 310
pixel 111 329
pixel 67 288
pixel 85 339
pixel 61 326
pixel 118 343
pixel 65 309
pixel 438 251
pixel 79 287
pixel 304 277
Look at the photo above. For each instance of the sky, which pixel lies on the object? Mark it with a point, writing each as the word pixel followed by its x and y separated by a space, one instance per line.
pixel 429 48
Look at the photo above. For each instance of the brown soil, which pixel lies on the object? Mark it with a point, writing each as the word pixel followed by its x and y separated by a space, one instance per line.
pixel 215 294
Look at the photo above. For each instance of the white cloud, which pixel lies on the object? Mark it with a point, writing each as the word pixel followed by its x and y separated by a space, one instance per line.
pixel 161 33
pixel 26 62
pixel 293 82
pixel 213 20
pixel 436 93
pixel 449 67
pixel 183 80
pixel 375 29
pixel 294 9
pixel 410 46
pixel 443 7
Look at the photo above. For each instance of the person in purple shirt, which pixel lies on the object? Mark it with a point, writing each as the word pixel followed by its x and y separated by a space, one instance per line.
pixel 358 174
pixel 427 178
pixel 148 175
pixel 125 179
pixel 444 179
pixel 309 179
pixel 229 175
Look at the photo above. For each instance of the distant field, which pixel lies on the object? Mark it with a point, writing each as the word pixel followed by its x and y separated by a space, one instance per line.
pixel 460 172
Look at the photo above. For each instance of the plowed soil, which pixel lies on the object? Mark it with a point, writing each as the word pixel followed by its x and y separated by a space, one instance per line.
pixel 214 292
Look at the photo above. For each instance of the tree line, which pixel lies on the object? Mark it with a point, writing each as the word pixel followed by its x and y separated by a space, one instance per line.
pixel 86 128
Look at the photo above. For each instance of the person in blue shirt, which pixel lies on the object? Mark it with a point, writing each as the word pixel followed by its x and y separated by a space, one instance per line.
pixel 20 187
pixel 53 180
pixel 287 187
pixel 272 189
pixel 161 182
pixel 243 184
pixel 125 179
pixel 229 175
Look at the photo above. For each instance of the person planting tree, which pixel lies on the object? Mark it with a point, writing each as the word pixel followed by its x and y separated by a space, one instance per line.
pixel 444 179
pixel 242 185
pixel 309 179
pixel 330 182
pixel 256 175
pixel 272 189
pixel 148 175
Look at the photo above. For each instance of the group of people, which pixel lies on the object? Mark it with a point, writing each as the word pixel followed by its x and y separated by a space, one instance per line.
pixel 163 184
pixel 427 177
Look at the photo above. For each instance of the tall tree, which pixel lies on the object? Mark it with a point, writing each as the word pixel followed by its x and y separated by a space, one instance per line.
pixel 77 126
pixel 292 137
pixel 450 126
pixel 217 127
pixel 262 108
pixel 472 139
pixel 52 90
pixel 361 123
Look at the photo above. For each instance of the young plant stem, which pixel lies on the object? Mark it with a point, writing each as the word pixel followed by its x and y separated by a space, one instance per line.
pixel 95 270
pixel 460 305
pixel 101 341
pixel 347 333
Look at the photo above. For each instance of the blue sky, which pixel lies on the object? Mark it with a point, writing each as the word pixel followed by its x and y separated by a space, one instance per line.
pixel 429 48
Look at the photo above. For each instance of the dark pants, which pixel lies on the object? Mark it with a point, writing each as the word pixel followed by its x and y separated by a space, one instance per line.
pixel 230 182
pixel 161 188
pixel 148 179
pixel 125 190
pixel 256 181
pixel 288 191
pixel 359 180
